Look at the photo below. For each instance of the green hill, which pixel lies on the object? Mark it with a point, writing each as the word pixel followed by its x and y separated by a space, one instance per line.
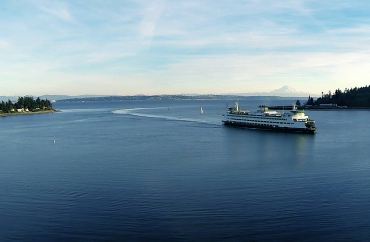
pixel 358 97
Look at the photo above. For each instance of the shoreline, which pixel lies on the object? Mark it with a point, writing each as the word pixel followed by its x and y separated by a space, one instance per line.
pixel 319 108
pixel 338 109
pixel 4 115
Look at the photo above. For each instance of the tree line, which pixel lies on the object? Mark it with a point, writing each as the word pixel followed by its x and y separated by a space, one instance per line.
pixel 26 103
pixel 353 97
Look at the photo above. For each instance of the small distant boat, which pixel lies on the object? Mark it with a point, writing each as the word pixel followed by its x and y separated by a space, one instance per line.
pixel 201 110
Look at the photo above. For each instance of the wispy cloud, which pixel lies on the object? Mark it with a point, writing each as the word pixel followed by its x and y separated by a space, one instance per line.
pixel 4 44
pixel 150 15
pixel 56 9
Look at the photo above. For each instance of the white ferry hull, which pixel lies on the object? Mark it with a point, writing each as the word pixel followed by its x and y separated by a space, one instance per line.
pixel 268 127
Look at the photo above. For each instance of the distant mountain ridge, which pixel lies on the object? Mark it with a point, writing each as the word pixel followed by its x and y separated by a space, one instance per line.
pixel 171 97
pixel 6 98
pixel 49 97
pixel 284 91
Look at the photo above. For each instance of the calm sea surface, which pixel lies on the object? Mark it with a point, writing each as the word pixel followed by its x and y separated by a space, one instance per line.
pixel 146 171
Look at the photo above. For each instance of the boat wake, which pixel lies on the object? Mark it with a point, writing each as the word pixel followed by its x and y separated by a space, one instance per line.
pixel 136 112
pixel 84 110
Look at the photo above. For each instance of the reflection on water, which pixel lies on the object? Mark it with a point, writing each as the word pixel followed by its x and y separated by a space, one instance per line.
pixel 267 147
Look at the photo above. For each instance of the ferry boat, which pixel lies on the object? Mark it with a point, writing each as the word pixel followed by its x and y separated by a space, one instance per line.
pixel 292 121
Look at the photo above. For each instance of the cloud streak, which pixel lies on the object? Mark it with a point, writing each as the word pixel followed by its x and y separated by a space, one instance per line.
pixel 56 9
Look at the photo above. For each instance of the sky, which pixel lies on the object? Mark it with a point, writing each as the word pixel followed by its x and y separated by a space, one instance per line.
pixel 105 47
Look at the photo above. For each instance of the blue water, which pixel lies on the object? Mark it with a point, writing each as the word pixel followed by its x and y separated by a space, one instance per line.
pixel 146 171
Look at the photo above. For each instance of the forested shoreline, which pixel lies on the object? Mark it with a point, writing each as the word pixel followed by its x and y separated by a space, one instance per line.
pixel 358 97
pixel 26 105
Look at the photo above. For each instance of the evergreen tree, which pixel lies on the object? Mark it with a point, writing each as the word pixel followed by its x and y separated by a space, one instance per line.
pixel 26 103
pixel 354 97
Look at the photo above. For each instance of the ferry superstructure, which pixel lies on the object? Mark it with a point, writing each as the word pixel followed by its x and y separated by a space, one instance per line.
pixel 292 121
